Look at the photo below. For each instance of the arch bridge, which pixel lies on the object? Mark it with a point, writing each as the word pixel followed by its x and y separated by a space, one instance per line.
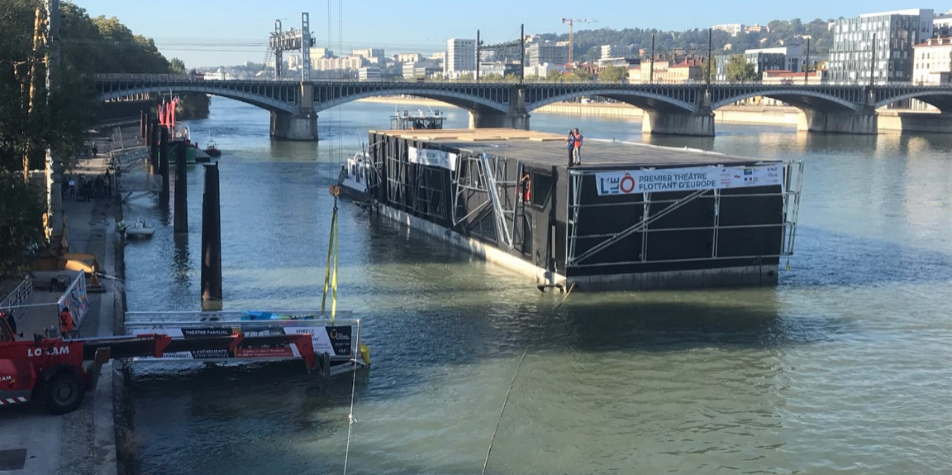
pixel 679 109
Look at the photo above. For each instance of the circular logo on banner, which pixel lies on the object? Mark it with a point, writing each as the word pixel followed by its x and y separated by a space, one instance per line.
pixel 627 184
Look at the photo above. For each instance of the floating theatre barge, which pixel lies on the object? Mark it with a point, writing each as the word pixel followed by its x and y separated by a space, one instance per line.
pixel 632 216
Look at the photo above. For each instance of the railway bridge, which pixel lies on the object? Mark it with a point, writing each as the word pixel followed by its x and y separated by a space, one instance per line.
pixel 674 109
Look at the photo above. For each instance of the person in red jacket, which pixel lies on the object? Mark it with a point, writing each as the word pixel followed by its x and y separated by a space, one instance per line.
pixel 67 326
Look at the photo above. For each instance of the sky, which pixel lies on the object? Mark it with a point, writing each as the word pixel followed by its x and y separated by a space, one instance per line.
pixel 207 33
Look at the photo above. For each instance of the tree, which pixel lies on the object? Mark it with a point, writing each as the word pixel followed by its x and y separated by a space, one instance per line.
pixel 554 75
pixel 21 225
pixel 739 70
pixel 581 75
pixel 612 74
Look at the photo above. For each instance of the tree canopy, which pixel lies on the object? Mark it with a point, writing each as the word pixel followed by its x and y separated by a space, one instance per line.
pixel 587 43
pixel 739 70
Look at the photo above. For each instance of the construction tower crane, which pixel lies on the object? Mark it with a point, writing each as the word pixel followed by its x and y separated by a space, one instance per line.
pixel 571 22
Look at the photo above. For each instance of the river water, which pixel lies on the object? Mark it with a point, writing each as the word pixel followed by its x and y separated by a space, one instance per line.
pixel 845 366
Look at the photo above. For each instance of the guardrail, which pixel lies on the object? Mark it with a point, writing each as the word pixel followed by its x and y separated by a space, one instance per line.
pixel 20 296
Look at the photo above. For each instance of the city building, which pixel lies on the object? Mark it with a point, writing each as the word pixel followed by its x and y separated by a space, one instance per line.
pixel 895 34
pixel 615 51
pixel 546 52
pixel 732 28
pixel 795 78
pixel 374 55
pixel 369 73
pixel 543 70
pixel 789 58
pixel 460 56
pixel 407 57
pixel 321 52
pixel 942 25
pixel 756 29
pixel 421 69
pixel 932 62
pixel 666 72
pixel 347 63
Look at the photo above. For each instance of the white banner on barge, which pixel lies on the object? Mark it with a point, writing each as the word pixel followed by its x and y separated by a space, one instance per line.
pixel 626 182
pixel 432 158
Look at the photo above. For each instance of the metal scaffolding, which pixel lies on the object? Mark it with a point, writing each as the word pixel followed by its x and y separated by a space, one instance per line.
pixel 789 192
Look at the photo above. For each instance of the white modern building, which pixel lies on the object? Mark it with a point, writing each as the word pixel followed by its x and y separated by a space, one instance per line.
pixel 895 34
pixel 460 56
pixel 374 55
pixel 369 73
pixel 407 57
pixel 732 28
pixel 932 62
pixel 546 52
pixel 942 24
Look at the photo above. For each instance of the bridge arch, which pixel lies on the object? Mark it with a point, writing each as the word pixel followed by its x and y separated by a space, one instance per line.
pixel 641 99
pixel 801 99
pixel 264 102
pixel 940 98
pixel 454 98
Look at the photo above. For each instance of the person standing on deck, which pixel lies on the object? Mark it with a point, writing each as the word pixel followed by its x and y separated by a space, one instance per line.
pixel 67 326
pixel 577 140
pixel 570 146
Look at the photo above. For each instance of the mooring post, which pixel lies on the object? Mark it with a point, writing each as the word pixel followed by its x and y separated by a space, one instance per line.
pixel 164 164
pixel 153 146
pixel 180 216
pixel 211 240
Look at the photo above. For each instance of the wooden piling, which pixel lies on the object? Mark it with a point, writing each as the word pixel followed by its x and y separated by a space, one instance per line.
pixel 181 190
pixel 164 164
pixel 153 146
pixel 211 240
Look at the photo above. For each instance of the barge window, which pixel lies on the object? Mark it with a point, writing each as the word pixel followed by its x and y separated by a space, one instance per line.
pixel 541 188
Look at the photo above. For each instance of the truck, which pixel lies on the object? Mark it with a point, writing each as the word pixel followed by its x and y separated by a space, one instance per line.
pixel 60 371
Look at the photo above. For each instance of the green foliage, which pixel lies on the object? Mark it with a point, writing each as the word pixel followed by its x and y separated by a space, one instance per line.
pixel 581 75
pixel 588 43
pixel 554 75
pixel 490 77
pixel 613 74
pixel 21 224
pixel 739 70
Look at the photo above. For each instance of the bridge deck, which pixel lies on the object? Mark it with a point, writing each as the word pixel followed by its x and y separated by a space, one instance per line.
pixel 549 149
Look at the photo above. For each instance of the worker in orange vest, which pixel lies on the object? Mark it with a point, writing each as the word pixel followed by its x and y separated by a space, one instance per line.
pixel 67 326
pixel 525 186
pixel 577 157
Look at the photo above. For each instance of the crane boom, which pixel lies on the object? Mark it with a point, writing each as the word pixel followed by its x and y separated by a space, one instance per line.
pixel 571 23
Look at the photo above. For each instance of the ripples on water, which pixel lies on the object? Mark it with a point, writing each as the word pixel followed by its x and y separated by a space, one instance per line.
pixel 845 366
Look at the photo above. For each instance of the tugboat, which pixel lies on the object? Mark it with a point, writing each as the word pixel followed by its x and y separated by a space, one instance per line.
pixel 354 178
pixel 419 121
pixel 212 150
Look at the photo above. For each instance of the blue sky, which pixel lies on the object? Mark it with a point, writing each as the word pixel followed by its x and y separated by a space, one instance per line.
pixel 222 32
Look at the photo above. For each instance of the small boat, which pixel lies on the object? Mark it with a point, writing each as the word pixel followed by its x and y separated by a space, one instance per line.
pixel 137 229
pixel 419 121
pixel 212 150
pixel 354 178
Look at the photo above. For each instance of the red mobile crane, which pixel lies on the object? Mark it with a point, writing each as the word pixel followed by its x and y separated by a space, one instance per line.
pixel 59 372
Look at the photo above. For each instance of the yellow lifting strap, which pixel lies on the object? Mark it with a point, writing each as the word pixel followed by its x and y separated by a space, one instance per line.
pixel 330 277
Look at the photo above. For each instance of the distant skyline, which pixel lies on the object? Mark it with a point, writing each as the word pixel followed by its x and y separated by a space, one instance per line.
pixel 217 33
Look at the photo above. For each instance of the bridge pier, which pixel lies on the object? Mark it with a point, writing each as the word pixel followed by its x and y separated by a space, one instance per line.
pixel 698 124
pixel 498 120
pixel 861 122
pixel 297 126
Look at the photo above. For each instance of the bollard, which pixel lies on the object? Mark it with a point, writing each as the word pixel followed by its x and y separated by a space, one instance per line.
pixel 211 240
pixel 153 146
pixel 164 164
pixel 181 190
